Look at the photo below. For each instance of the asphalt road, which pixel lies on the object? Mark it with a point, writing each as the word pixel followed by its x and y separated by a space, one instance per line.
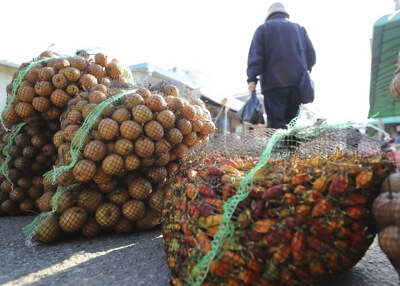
pixel 134 259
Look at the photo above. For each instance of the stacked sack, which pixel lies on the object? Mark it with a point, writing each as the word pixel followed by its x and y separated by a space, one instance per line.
pixel 115 143
pixel 29 120
pixel 36 98
pixel 386 213
pixel 273 207
pixel 27 152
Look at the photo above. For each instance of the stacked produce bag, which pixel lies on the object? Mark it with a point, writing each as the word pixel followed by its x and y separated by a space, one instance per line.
pixel 385 209
pixel 108 142
pixel 273 207
pixel 386 212
pixel 29 153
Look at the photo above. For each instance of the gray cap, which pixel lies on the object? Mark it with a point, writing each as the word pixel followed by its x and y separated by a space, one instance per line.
pixel 275 8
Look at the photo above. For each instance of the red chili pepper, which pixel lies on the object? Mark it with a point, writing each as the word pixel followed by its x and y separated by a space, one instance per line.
pixel 253 235
pixel 356 212
pixel 273 193
pixel 303 274
pixel 254 265
pixel 322 207
pixel 315 244
pixel 290 199
pixel 185 227
pixel 338 185
pixel 303 209
pixel 233 258
pixel 357 239
pixel 312 196
pixel 282 254
pixel 364 179
pixel 299 189
pixel 189 239
pixel 334 224
pixel 172 262
pixel 256 192
pixel 317 268
pixel 190 190
pixel 182 180
pixel 342 245
pixel 300 179
pixel 263 226
pixel 193 210
pixel 206 209
pixel 332 254
pixel 183 250
pixel 286 277
pixel 204 241
pixel 320 184
pixel 219 268
pixel 180 203
pixel 244 218
pixel 258 252
pixel 206 191
pixel 228 191
pixel 257 208
pixel 354 199
pixel 214 171
pixel 274 238
pixel 343 232
pixel 334 265
pixel 293 222
pixel 248 276
pixel 229 163
pixel 299 246
pixel 358 225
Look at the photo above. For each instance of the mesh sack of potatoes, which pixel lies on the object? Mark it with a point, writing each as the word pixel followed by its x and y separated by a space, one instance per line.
pixel 273 207
pixel 386 212
pixel 36 98
pixel 41 88
pixel 27 152
pixel 118 143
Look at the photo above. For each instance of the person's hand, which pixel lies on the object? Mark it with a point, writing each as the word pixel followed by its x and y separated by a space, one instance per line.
pixel 252 86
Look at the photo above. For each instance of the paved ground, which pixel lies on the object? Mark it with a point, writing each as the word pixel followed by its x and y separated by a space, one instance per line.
pixel 135 259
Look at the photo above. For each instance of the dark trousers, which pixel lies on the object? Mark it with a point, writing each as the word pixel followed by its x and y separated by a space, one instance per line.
pixel 281 105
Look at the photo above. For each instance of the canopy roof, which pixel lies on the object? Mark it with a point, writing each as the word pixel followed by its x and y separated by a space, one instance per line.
pixel 385 51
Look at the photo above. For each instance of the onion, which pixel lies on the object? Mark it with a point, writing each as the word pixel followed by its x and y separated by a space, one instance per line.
pixel 391 183
pixel 382 209
pixel 389 241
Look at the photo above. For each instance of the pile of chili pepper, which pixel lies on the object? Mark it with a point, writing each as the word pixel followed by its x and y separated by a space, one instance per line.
pixel 301 220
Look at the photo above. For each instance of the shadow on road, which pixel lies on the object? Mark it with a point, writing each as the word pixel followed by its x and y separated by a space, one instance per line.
pixel 135 259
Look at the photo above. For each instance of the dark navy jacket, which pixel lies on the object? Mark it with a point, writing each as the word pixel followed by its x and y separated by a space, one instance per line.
pixel 274 54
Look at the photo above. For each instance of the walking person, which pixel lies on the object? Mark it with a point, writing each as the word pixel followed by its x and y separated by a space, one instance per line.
pixel 275 61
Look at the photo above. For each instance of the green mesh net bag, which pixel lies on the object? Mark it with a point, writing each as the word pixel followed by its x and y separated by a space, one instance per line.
pixel 116 143
pixel 38 94
pixel 26 145
pixel 273 207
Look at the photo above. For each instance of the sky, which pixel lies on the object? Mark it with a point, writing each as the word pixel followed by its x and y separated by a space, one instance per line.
pixel 210 37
